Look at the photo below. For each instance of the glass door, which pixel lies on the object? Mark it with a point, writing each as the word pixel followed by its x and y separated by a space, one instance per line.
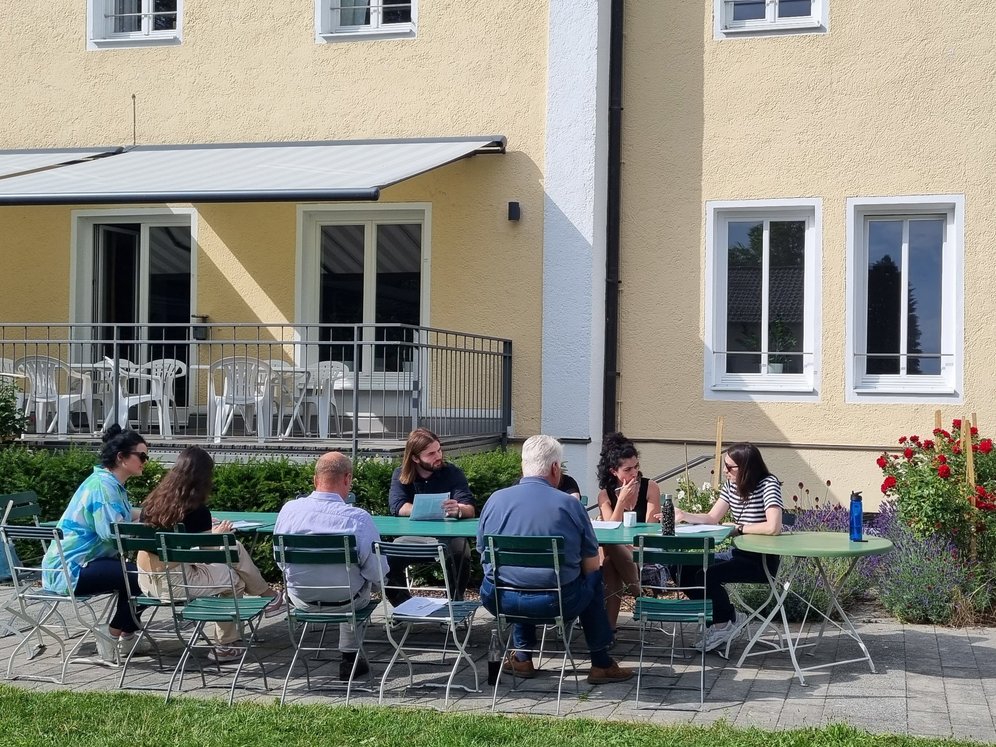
pixel 141 293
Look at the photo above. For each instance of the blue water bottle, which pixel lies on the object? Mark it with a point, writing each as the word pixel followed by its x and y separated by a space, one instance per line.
pixel 856 516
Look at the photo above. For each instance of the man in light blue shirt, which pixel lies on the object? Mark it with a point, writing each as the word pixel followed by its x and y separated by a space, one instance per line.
pixel 325 512
pixel 536 508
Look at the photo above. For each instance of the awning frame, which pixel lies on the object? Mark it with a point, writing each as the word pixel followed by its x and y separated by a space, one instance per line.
pixel 496 144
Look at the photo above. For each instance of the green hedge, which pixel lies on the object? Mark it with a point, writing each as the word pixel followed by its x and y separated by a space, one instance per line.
pixel 252 485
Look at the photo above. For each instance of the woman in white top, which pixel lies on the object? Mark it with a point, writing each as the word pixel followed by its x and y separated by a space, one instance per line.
pixel 753 498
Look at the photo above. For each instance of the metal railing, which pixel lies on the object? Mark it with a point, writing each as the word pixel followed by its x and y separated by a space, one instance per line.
pixel 259 382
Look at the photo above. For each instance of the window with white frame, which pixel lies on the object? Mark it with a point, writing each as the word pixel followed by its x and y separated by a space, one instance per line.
pixel 738 17
pixel 905 260
pixel 763 261
pixel 125 23
pixel 365 267
pixel 336 20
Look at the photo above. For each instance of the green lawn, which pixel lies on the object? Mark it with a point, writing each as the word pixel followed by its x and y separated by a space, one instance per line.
pixel 105 720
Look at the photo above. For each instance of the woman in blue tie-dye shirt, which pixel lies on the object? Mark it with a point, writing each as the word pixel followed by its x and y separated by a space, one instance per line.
pixel 88 542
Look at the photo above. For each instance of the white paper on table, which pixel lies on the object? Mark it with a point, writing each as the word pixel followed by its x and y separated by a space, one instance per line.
pixel 246 524
pixel 598 524
pixel 696 528
pixel 419 606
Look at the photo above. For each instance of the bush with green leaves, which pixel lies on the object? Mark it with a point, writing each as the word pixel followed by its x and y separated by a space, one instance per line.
pixel 694 499
pixel 12 420
pixel 256 484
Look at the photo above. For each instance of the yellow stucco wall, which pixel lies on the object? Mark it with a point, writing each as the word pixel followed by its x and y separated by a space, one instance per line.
pixel 253 72
pixel 882 105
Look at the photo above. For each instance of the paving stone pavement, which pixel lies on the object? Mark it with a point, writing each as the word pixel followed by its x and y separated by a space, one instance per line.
pixel 929 681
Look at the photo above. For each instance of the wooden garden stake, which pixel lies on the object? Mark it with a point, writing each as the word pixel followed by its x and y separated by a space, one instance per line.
pixel 966 445
pixel 717 475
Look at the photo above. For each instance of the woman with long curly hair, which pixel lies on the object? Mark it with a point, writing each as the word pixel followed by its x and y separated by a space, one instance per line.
pixel 623 488
pixel 181 498
pixel 753 498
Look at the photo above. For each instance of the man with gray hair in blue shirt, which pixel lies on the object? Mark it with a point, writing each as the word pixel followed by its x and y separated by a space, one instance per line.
pixel 325 511
pixel 536 508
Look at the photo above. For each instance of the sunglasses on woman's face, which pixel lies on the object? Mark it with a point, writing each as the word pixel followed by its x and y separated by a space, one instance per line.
pixel 143 456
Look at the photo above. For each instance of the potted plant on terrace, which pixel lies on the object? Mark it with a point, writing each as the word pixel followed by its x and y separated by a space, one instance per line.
pixel 780 340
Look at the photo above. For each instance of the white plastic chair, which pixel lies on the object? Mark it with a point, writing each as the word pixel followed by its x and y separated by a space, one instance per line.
pixel 52 382
pixel 322 393
pixel 243 384
pixel 7 367
pixel 167 371
pixel 290 385
pixel 135 388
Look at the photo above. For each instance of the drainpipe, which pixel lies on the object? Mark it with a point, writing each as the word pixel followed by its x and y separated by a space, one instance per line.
pixel 613 211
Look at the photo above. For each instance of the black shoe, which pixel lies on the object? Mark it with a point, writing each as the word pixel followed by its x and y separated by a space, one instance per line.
pixel 346 666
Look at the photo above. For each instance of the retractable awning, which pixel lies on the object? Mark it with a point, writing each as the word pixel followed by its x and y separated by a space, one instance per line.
pixel 241 172
pixel 14 162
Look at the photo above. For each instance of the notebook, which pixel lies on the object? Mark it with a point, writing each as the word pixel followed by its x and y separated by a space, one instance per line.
pixel 429 507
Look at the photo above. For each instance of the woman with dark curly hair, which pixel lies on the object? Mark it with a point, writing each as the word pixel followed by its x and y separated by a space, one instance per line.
pixel 623 488
pixel 753 497
pixel 88 543
pixel 181 498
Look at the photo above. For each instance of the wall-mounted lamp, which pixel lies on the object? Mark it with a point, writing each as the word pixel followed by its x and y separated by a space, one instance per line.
pixel 514 211
pixel 199 329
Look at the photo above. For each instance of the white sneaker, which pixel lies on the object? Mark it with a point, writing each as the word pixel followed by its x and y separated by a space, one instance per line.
pixel 135 645
pixel 716 636
pixel 277 606
pixel 107 644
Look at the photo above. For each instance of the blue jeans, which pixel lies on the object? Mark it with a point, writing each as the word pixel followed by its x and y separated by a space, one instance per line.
pixel 104 575
pixel 583 598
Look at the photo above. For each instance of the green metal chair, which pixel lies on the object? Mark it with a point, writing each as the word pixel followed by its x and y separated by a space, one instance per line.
pixel 130 539
pixel 337 554
pixel 456 618
pixel 226 606
pixel 540 553
pixel 667 605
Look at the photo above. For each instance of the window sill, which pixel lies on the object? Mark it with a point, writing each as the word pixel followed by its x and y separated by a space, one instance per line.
pixel 789 387
pixel 127 42
pixel 332 37
pixel 806 26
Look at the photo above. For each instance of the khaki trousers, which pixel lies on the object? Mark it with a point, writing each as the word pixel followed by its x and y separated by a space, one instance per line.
pixel 209 580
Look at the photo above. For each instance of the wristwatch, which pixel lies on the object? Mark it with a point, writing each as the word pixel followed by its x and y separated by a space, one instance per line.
pixel 459 511
pixel 740 529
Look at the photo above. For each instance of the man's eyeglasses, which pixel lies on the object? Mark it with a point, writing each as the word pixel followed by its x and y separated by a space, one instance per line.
pixel 143 456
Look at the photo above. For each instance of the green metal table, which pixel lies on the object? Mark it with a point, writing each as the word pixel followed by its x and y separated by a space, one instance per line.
pixel 398 526
pixel 815 547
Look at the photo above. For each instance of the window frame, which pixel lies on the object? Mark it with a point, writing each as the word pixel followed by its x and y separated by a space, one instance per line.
pixel 815 23
pixel 99 36
pixel 329 30
pixel 948 386
pixel 310 219
pixel 720 385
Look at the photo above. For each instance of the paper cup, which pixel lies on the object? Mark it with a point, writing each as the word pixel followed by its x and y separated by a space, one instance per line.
pixel 629 519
